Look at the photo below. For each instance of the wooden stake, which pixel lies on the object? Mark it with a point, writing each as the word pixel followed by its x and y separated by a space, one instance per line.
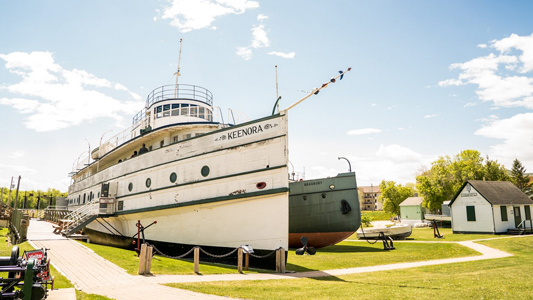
pixel 197 260
pixel 278 256
pixel 142 260
pixel 239 260
pixel 282 261
pixel 246 261
pixel 149 255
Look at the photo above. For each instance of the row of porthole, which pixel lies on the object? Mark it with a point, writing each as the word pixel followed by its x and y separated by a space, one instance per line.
pixel 173 177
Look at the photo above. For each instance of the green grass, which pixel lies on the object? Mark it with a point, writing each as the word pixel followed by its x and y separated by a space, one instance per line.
pixel 129 261
pixel 505 278
pixel 349 254
pixel 377 215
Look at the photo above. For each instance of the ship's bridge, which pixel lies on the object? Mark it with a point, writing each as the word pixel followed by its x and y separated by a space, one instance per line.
pixel 175 104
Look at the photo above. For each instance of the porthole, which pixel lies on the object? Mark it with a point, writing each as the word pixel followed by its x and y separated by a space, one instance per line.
pixel 261 185
pixel 148 182
pixel 331 187
pixel 205 171
pixel 173 177
pixel 130 187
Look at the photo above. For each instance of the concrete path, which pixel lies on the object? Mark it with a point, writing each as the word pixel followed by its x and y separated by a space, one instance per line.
pixel 93 274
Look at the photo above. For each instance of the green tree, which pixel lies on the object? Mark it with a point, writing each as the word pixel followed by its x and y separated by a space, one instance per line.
pixel 392 195
pixel 520 179
pixel 443 180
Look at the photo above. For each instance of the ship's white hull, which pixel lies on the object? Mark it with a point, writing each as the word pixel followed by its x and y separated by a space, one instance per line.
pixel 222 189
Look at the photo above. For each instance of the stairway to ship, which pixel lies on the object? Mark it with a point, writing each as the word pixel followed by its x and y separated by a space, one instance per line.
pixel 79 218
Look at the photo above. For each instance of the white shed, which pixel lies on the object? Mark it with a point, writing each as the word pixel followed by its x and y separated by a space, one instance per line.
pixel 490 207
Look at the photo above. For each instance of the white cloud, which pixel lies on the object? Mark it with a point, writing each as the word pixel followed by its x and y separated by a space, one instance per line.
pixel 363 131
pixel 188 15
pixel 517 135
pixel 58 98
pixel 500 77
pixel 260 38
pixel 398 154
pixel 261 17
pixel 19 169
pixel 283 55
pixel 430 116
pixel 482 46
pixel 470 104
pixel 16 154
pixel 244 52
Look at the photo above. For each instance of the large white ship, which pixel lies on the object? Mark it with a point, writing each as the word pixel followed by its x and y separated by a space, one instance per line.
pixel 205 182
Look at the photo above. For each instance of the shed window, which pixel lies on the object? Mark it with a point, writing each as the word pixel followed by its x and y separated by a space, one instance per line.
pixel 471 213
pixel 528 212
pixel 503 210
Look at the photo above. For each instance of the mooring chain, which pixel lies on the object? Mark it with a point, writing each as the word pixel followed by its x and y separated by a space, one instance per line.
pixel 264 256
pixel 172 257
pixel 363 231
pixel 219 256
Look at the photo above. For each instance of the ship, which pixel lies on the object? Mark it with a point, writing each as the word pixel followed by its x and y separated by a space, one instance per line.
pixel 325 211
pixel 187 178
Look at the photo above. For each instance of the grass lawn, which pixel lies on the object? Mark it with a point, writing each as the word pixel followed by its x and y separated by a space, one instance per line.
pixel 504 278
pixel 377 215
pixel 129 261
pixel 350 254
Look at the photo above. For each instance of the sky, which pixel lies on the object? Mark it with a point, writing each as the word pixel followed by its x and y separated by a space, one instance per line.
pixel 428 78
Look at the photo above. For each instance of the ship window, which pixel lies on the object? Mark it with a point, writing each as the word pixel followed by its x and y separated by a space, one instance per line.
pixel 175 109
pixel 194 110
pixel 84 198
pixel 130 187
pixel 205 171
pixel 148 182
pixel 187 136
pixel 162 143
pixel 98 194
pixel 175 139
pixel 166 110
pixel 209 116
pixel 157 111
pixel 184 109
pixel 201 112
pixel 173 177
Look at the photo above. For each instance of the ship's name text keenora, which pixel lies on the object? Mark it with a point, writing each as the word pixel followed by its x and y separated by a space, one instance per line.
pixel 313 183
pixel 244 132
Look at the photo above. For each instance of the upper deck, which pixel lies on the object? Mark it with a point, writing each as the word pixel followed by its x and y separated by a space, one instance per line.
pixel 176 93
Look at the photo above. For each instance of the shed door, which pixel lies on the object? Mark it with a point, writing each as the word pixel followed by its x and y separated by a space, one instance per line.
pixel 517 216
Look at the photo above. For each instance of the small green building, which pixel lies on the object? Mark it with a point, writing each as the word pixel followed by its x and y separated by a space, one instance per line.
pixel 411 210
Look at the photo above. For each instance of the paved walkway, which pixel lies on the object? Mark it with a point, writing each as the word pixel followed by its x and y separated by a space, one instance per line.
pixel 93 274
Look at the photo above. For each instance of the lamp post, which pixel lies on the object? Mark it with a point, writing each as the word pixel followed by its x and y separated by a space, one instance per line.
pixel 349 164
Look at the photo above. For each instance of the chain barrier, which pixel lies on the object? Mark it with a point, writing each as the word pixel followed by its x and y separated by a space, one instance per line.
pixel 172 257
pixel 210 254
pixel 264 256
pixel 219 256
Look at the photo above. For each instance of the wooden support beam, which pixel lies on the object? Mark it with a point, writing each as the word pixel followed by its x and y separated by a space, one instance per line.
pixel 196 260
pixel 239 260
pixel 142 260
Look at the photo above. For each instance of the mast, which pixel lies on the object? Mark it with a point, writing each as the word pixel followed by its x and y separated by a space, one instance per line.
pixel 178 71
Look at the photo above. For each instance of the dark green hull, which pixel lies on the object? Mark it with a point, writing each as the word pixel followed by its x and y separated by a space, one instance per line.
pixel 326 210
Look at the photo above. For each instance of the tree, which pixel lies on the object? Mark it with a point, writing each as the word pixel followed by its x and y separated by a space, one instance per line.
pixel 520 179
pixel 392 195
pixel 443 180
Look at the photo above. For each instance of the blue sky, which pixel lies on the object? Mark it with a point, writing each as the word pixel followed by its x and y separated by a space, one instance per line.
pixel 428 78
